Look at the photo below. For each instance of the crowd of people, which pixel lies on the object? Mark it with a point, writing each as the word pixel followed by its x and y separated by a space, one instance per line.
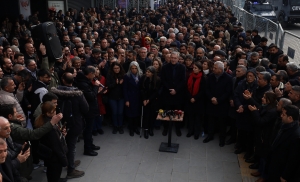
pixel 116 66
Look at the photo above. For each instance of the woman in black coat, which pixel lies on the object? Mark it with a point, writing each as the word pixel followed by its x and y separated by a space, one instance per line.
pixel 149 85
pixel 264 121
pixel 132 96
pixel 195 100
pixel 55 141
pixel 114 83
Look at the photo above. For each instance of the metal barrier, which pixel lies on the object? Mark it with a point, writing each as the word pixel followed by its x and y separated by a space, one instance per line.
pixel 291 46
pixel 287 41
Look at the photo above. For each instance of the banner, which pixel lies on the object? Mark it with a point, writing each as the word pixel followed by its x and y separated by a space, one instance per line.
pixel 25 8
pixel 122 3
pixel 57 5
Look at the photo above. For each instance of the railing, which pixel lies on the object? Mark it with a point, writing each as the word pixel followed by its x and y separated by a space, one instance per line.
pixel 287 41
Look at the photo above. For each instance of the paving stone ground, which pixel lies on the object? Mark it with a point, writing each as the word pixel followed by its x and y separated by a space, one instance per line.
pixel 123 158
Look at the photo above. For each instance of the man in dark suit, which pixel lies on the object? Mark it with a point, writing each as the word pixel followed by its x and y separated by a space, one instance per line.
pixel 283 161
pixel 218 91
pixel 173 81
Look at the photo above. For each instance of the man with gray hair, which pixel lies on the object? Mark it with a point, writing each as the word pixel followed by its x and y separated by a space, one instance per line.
pixel 218 91
pixel 292 70
pixel 173 85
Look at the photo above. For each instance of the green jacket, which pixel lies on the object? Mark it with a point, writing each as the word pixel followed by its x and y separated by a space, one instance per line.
pixel 21 135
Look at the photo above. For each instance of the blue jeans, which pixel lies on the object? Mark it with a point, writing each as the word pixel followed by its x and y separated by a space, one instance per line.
pixel 117 107
pixel 98 123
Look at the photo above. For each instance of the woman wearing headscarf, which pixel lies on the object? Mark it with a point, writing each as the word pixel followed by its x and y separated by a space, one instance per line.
pixel 149 85
pixel 195 100
pixel 132 96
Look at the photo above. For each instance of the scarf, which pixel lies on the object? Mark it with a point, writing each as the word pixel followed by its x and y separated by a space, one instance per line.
pixel 135 77
pixel 194 86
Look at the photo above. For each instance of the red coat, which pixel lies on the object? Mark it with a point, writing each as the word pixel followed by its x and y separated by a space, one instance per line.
pixel 99 97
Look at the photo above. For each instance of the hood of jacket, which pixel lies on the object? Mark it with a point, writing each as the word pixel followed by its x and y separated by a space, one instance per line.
pixel 65 91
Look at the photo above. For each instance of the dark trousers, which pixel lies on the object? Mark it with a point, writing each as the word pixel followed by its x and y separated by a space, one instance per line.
pixel 54 169
pixel 133 123
pixel 98 123
pixel 194 123
pixel 149 116
pixel 87 133
pixel 71 141
pixel 217 122
pixel 117 107
pixel 245 140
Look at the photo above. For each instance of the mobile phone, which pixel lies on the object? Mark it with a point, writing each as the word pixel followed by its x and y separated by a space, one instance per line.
pixel 58 110
pixel 63 126
pixel 26 147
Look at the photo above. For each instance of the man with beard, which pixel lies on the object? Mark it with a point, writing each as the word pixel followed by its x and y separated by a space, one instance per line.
pixel 200 54
pixel 274 53
pixel 283 59
pixel 81 55
pixel 79 107
pixel 7 66
pixel 95 58
pixel 67 43
pixel 197 41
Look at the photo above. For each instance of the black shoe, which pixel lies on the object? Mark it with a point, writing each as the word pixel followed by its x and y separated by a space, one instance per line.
pixel 100 131
pixel 254 166
pixel 239 151
pixel 146 134
pixel 207 139
pixel 121 131
pixel 230 141
pixel 115 130
pixel 94 133
pixel 222 143
pixel 94 147
pixel 131 133
pixel 90 153
pixel 178 132
pixel 196 136
pixel 165 132
pixel 137 131
pixel 189 134
pixel 151 132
